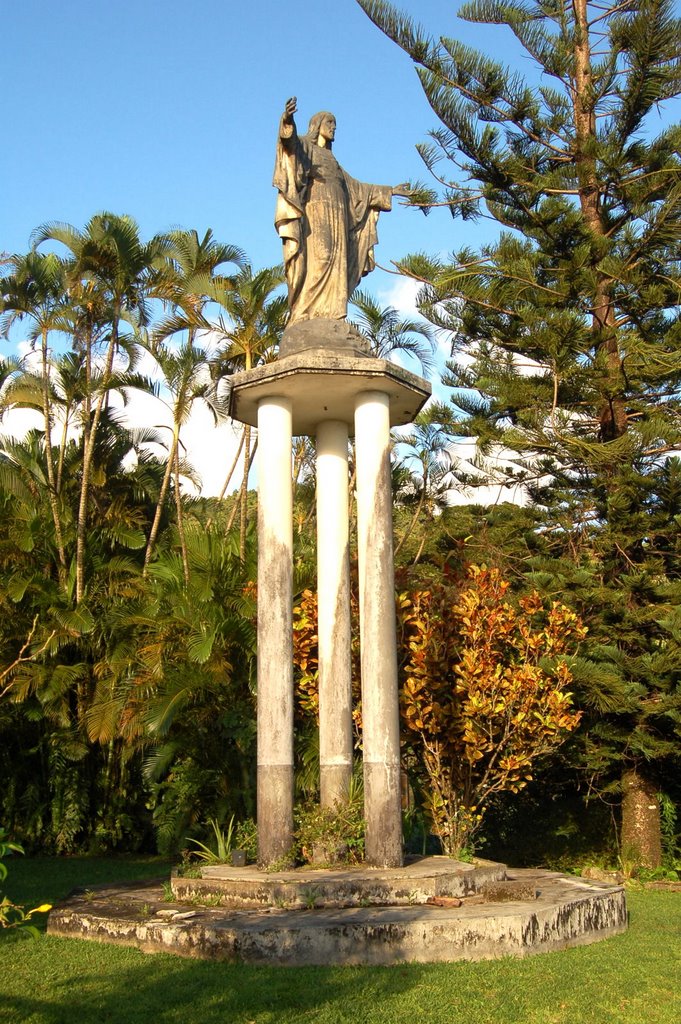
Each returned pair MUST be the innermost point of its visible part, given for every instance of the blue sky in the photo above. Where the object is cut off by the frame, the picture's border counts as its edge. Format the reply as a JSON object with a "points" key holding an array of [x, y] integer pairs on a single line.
{"points": [[168, 111]]}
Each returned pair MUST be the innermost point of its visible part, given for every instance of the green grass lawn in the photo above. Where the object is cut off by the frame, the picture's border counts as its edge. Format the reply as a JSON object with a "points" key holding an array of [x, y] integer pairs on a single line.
{"points": [[630, 979]]}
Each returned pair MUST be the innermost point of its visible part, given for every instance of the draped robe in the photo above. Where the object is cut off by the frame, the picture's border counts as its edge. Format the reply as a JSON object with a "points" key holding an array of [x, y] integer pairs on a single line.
{"points": [[327, 223]]}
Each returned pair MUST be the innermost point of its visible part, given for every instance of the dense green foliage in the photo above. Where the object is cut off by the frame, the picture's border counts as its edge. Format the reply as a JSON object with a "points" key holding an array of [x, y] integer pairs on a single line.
{"points": [[127, 643], [566, 350], [127, 637]]}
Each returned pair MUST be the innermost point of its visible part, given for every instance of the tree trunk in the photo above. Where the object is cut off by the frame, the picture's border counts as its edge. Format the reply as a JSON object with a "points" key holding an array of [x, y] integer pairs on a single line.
{"points": [[89, 439], [52, 484], [243, 498], [414, 518], [170, 467], [230, 472], [612, 415], [180, 517], [641, 837], [209, 521]]}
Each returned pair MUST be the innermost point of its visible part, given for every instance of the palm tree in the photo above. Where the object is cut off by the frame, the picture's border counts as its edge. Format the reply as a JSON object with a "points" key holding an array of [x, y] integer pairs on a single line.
{"points": [[184, 690], [194, 265], [195, 262], [187, 379], [35, 291], [388, 333], [110, 275], [249, 329], [425, 451], [192, 270]]}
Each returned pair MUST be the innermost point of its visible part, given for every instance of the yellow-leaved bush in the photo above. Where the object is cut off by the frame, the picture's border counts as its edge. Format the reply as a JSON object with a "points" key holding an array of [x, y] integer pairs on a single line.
{"points": [[485, 692]]}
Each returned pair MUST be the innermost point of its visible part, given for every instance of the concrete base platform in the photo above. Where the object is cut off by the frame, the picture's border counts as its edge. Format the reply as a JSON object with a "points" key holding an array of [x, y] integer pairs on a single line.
{"points": [[566, 912], [249, 887]]}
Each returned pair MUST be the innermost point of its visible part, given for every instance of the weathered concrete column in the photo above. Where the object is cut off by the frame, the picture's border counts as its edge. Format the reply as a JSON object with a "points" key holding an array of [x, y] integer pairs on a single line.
{"points": [[328, 383], [275, 630], [333, 599], [380, 709]]}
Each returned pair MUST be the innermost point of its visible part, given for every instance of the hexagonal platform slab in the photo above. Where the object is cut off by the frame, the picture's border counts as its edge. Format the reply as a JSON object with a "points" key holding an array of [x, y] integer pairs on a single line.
{"points": [[565, 911]]}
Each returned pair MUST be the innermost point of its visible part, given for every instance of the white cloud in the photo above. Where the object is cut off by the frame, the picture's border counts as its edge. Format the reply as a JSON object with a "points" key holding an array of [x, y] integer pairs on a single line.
{"points": [[401, 294], [209, 449]]}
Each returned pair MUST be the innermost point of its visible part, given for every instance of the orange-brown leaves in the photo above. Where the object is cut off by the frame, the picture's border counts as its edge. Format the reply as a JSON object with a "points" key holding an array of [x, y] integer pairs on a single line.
{"points": [[484, 689], [484, 692], [305, 655]]}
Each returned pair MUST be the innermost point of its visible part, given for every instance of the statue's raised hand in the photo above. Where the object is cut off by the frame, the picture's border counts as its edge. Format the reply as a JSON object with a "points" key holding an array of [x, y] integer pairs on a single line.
{"points": [[290, 109]]}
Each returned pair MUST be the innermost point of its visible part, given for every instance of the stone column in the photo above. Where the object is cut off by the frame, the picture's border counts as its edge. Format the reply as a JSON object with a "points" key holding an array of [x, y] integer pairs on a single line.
{"points": [[275, 631], [380, 709], [333, 597]]}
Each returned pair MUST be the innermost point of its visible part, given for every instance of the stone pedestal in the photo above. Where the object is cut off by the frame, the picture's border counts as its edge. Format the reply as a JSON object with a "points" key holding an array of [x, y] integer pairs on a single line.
{"points": [[328, 394]]}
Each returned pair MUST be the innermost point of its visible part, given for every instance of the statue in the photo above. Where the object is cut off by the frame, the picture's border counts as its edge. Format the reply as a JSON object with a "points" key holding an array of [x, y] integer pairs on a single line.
{"points": [[325, 218]]}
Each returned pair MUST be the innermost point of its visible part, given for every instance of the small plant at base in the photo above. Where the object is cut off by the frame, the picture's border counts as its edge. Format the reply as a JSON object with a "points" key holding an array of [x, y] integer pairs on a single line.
{"points": [[14, 919], [284, 863], [310, 897], [628, 862], [190, 871], [188, 868], [206, 900], [168, 894], [246, 839], [224, 844], [332, 835]]}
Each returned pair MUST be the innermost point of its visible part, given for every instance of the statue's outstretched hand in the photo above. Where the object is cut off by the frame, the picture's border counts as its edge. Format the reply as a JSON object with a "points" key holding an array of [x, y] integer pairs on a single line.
{"points": [[290, 109], [402, 190]]}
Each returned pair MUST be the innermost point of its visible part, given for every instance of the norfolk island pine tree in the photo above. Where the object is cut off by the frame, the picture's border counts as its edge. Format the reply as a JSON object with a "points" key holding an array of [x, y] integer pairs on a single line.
{"points": [[570, 325]]}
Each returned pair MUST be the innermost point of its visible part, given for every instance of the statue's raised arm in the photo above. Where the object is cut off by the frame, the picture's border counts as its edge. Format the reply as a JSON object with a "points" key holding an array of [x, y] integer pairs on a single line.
{"points": [[325, 218], [287, 126]]}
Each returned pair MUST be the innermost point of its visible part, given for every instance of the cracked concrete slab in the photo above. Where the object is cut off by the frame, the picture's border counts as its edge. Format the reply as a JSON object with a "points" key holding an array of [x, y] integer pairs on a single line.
{"points": [[566, 912]]}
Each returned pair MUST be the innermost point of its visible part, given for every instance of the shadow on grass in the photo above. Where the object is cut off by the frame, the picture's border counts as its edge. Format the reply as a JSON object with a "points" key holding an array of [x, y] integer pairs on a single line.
{"points": [[35, 880], [630, 979], [164, 988]]}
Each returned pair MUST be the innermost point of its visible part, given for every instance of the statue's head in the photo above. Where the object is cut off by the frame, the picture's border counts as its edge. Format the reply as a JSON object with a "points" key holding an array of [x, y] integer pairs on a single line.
{"points": [[322, 124]]}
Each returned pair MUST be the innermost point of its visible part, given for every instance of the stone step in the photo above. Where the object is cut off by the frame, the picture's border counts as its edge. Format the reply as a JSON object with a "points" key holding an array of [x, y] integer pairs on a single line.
{"points": [[340, 887], [566, 912]]}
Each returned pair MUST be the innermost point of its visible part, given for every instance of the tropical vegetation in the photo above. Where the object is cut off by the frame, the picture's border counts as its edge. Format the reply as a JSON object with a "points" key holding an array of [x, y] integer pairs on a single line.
{"points": [[566, 342], [540, 639], [128, 625]]}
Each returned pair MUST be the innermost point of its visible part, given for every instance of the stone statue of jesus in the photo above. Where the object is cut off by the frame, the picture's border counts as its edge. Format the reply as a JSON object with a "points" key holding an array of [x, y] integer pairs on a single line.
{"points": [[325, 218]]}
